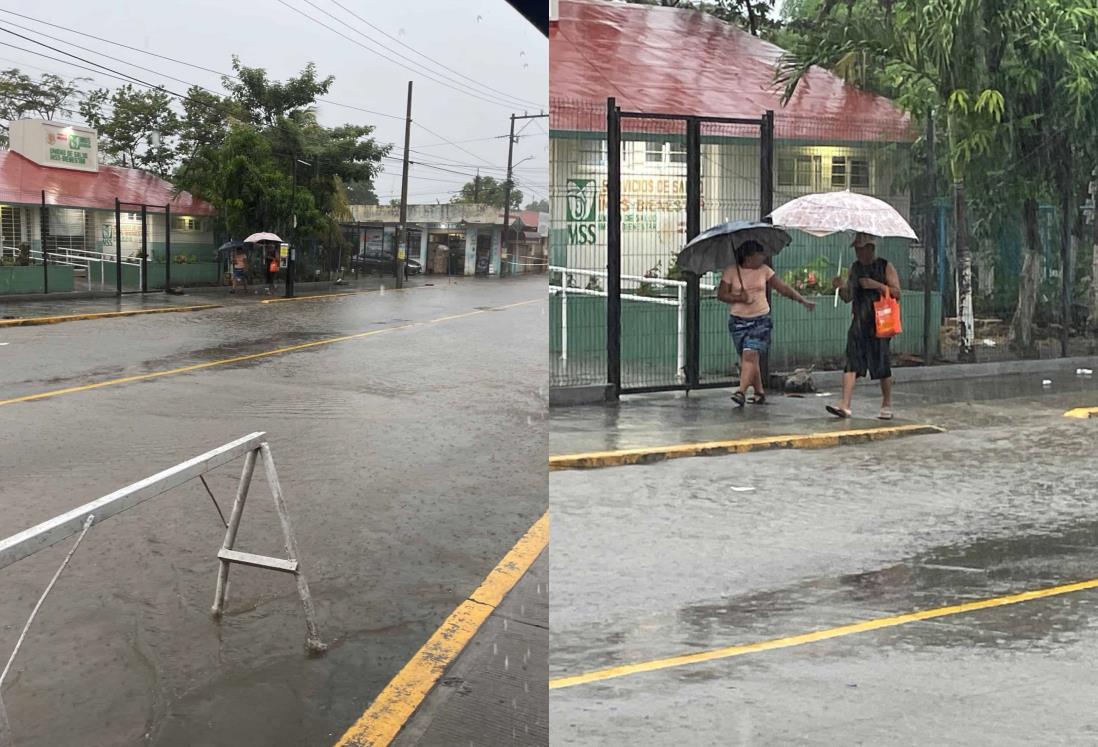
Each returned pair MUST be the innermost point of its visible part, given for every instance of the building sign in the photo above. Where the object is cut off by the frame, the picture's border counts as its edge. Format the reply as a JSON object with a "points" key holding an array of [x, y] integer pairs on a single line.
{"points": [[67, 146], [56, 145], [647, 205], [582, 199]]}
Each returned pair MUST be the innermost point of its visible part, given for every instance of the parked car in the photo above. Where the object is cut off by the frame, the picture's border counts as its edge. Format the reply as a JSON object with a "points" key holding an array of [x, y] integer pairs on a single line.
{"points": [[384, 263]]}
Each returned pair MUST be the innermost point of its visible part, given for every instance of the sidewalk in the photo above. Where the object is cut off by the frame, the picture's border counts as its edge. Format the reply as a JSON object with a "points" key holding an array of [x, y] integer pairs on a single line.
{"points": [[497, 692], [13, 307], [657, 420]]}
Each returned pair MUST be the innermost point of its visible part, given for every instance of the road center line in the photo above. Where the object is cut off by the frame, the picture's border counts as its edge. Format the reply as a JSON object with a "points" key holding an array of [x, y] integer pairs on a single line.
{"points": [[255, 356], [728, 652], [390, 711]]}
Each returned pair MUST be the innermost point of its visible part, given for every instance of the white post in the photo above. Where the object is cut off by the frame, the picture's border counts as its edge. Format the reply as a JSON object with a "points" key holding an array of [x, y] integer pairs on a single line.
{"points": [[681, 358], [564, 316]]}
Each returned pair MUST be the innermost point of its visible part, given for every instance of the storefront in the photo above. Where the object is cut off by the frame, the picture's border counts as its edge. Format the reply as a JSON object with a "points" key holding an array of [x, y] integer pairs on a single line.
{"points": [[56, 196]]}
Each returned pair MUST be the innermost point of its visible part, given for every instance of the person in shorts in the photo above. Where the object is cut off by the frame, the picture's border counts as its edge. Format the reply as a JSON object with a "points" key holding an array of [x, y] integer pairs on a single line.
{"points": [[240, 269], [866, 353], [743, 287]]}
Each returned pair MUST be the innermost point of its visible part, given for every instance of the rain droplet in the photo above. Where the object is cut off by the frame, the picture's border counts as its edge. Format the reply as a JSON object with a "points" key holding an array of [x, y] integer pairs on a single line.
{"points": [[522, 53], [400, 32], [495, 649], [506, 662], [480, 18], [526, 66]]}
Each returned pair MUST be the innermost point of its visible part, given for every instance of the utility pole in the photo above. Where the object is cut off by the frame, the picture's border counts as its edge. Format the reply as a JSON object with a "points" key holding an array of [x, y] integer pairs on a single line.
{"points": [[402, 231], [505, 237], [505, 243], [476, 188]]}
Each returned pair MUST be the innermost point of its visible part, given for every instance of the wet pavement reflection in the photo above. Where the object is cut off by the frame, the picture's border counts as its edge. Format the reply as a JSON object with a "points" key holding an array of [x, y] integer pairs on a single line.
{"points": [[401, 499]]}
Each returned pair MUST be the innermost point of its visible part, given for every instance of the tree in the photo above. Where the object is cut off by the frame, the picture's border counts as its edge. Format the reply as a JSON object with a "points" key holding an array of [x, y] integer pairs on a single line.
{"points": [[755, 16], [140, 129], [486, 190], [48, 97], [932, 55], [245, 151], [264, 101], [361, 193], [538, 206]]}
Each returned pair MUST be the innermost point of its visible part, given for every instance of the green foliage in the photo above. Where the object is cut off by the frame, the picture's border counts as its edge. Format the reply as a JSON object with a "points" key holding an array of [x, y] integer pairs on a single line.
{"points": [[46, 98], [486, 190], [140, 130], [813, 278], [539, 206]]}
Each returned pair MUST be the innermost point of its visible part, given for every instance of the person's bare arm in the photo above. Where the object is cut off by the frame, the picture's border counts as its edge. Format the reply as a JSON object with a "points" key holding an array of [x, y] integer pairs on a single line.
{"points": [[783, 288], [891, 284], [729, 296], [846, 288]]}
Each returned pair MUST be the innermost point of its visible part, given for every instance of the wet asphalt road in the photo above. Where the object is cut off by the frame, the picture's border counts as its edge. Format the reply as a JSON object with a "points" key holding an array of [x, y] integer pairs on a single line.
{"points": [[655, 561], [411, 461]]}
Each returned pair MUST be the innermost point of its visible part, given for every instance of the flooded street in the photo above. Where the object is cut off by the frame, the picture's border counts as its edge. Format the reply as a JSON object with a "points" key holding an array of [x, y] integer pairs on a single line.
{"points": [[412, 458], [716, 554]]}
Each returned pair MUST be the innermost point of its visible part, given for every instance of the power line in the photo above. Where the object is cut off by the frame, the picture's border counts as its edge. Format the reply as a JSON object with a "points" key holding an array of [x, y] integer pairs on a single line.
{"points": [[426, 57], [337, 32], [179, 62]]}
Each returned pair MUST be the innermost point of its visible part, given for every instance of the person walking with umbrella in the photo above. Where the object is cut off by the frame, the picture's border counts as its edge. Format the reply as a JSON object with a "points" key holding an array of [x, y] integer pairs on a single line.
{"points": [[869, 277], [743, 287]]}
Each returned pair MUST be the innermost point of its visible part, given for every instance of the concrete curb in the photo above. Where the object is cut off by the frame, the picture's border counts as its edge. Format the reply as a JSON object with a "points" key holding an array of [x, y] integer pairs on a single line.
{"points": [[650, 455], [31, 321], [918, 374]]}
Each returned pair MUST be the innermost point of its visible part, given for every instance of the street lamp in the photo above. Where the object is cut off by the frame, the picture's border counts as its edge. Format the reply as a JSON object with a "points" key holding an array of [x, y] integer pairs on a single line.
{"points": [[293, 230]]}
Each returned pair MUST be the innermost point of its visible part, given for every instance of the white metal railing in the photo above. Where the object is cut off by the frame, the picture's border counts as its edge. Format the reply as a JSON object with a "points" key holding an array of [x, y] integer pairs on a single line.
{"points": [[679, 302], [78, 258]]}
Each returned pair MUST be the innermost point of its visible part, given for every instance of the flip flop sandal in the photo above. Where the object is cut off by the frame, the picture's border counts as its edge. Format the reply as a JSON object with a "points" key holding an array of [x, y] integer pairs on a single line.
{"points": [[838, 412], [885, 414], [758, 399], [738, 398]]}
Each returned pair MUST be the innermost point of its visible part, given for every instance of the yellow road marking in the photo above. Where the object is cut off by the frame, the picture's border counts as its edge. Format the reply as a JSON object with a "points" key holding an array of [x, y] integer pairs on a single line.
{"points": [[1082, 412], [319, 295], [30, 321], [250, 357], [391, 710], [648, 455], [819, 635]]}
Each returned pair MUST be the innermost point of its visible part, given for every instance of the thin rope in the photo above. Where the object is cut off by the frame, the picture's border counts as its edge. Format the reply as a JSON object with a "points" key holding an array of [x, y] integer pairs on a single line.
{"points": [[64, 564], [210, 493]]}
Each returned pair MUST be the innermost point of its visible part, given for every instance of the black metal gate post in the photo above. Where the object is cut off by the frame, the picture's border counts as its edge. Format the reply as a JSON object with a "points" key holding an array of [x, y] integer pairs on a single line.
{"points": [[144, 250], [766, 207], [167, 248], [693, 228], [930, 236], [118, 244], [44, 219], [613, 248]]}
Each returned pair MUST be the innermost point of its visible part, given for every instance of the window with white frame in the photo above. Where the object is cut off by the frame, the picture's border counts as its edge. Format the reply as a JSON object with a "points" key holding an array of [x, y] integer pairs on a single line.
{"points": [[848, 172], [592, 152], [799, 171], [664, 152]]}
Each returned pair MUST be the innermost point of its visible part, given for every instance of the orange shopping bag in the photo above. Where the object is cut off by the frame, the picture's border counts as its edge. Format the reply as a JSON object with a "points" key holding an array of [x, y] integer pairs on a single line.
{"points": [[886, 311]]}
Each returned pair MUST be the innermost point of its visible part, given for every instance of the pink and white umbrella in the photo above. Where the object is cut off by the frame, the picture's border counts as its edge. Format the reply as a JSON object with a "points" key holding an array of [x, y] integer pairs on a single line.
{"points": [[834, 212], [255, 238]]}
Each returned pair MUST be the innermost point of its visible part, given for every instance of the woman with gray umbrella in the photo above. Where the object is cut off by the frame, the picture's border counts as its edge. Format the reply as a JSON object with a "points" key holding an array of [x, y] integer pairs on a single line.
{"points": [[743, 287]]}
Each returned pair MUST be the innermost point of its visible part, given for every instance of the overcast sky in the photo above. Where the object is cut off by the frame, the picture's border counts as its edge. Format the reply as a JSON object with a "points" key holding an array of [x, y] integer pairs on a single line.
{"points": [[474, 46]]}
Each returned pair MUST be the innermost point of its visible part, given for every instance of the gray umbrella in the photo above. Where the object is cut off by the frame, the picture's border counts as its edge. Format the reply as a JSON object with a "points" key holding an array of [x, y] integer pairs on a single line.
{"points": [[715, 248]]}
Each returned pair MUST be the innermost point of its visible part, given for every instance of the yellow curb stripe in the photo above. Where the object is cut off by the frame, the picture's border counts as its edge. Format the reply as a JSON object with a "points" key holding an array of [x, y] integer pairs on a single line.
{"points": [[390, 711], [252, 356], [648, 455], [1082, 412], [30, 321], [319, 295], [819, 635]]}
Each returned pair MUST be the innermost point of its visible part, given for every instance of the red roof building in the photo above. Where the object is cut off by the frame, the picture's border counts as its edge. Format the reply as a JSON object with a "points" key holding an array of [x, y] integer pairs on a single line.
{"points": [[22, 182], [684, 61]]}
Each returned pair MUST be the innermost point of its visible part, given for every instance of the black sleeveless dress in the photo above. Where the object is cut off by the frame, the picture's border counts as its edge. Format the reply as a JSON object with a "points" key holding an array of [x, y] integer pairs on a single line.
{"points": [[865, 352]]}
